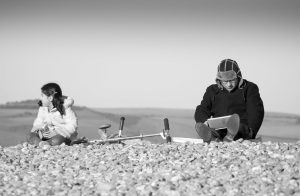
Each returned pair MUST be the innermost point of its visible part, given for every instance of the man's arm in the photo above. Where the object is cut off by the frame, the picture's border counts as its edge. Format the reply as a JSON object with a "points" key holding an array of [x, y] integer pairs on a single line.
{"points": [[203, 111], [255, 109]]}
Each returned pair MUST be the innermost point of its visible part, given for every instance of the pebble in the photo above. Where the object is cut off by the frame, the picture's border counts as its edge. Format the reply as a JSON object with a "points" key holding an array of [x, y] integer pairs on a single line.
{"points": [[141, 168]]}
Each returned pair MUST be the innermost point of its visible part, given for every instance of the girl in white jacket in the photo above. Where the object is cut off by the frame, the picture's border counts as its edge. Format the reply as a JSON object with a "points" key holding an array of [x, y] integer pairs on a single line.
{"points": [[56, 123]]}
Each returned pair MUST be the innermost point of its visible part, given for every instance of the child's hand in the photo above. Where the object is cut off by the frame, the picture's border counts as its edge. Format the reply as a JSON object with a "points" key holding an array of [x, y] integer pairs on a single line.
{"points": [[38, 131], [48, 133]]}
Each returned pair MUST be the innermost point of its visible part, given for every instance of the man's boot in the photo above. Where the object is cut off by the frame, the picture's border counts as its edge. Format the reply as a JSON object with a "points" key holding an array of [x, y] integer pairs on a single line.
{"points": [[204, 132]]}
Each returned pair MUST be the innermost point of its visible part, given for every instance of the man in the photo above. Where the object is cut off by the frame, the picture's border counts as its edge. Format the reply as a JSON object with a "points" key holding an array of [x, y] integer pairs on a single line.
{"points": [[231, 95]]}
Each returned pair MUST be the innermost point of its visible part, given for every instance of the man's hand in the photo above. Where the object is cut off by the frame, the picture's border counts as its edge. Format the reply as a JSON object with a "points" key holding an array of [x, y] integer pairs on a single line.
{"points": [[206, 123]]}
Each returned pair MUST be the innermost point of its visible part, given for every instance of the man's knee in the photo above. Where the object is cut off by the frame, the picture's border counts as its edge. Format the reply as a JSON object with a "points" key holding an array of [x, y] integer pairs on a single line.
{"points": [[205, 133], [199, 128], [244, 132]]}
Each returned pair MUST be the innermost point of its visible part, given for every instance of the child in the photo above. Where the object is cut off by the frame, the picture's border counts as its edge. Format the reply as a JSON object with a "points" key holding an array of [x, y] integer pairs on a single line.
{"points": [[56, 123]]}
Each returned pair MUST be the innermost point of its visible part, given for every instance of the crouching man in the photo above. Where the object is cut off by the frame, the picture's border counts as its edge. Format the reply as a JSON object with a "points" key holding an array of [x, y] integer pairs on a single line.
{"points": [[234, 97]]}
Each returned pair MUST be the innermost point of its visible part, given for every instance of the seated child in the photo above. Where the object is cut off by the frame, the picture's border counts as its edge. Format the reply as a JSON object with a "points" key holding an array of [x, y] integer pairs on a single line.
{"points": [[56, 123]]}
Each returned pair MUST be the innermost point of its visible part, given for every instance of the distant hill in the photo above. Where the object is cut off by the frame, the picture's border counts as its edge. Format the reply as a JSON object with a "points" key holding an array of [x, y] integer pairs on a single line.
{"points": [[27, 104], [286, 117]]}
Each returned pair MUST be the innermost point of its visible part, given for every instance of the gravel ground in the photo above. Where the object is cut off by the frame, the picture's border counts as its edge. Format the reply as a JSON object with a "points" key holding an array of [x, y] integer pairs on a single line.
{"points": [[142, 168]]}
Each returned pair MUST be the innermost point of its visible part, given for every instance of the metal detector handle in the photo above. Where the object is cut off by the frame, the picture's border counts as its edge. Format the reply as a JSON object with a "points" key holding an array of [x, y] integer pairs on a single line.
{"points": [[122, 119], [167, 128], [166, 123]]}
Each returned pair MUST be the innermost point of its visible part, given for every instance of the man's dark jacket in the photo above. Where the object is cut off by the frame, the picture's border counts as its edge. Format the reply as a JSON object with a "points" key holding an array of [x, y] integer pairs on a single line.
{"points": [[244, 100]]}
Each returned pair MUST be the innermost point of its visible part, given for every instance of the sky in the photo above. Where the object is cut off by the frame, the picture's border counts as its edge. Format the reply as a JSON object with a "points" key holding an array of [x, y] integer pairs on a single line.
{"points": [[148, 53]]}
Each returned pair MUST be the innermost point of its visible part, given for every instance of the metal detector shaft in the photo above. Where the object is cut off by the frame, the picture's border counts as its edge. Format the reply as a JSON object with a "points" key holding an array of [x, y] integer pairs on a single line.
{"points": [[126, 138]]}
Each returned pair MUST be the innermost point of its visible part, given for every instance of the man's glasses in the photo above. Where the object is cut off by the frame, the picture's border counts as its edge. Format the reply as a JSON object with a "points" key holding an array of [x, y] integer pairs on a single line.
{"points": [[229, 81]]}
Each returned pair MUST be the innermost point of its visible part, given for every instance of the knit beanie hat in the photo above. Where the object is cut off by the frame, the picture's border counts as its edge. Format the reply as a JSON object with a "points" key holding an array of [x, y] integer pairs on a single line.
{"points": [[228, 70]]}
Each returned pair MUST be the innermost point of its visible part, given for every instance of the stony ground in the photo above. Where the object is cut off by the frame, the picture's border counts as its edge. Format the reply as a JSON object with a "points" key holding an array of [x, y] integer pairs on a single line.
{"points": [[237, 168]]}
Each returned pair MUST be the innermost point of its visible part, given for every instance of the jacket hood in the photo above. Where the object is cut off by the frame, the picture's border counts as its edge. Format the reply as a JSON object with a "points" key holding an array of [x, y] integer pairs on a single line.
{"points": [[68, 102], [228, 69]]}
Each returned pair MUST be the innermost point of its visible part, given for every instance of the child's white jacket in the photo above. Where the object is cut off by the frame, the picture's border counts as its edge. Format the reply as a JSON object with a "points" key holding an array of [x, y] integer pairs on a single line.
{"points": [[65, 125]]}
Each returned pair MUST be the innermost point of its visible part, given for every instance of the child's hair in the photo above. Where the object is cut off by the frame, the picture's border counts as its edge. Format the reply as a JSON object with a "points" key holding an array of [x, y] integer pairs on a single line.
{"points": [[54, 90]]}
